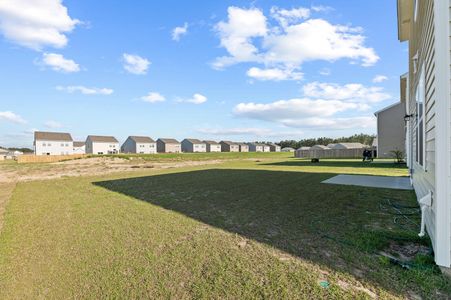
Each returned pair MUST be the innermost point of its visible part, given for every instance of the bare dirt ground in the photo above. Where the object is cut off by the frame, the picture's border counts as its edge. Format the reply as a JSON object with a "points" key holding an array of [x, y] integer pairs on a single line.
{"points": [[10, 172]]}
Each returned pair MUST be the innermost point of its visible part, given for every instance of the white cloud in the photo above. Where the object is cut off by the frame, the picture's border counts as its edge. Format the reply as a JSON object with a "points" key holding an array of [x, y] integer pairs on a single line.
{"points": [[53, 124], [196, 99], [36, 23], [11, 117], [236, 35], [178, 32], [333, 123], [248, 36], [135, 64], [352, 92], [379, 78], [153, 97], [289, 16], [249, 131], [57, 62], [85, 90], [325, 72], [274, 74]]}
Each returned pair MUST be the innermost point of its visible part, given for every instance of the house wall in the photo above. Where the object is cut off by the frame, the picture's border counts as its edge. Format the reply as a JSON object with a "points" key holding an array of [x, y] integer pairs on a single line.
{"points": [[244, 148], [129, 146], [187, 146], [429, 42], [391, 131], [168, 148], [213, 148], [101, 148], [229, 148], [53, 147], [266, 149], [146, 148], [255, 148], [80, 150]]}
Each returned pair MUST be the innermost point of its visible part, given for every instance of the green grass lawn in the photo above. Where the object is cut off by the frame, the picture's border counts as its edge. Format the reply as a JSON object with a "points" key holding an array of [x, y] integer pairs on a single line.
{"points": [[241, 229]]}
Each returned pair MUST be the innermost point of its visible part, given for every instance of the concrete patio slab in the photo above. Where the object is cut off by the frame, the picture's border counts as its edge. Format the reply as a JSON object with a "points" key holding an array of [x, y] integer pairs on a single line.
{"points": [[399, 183]]}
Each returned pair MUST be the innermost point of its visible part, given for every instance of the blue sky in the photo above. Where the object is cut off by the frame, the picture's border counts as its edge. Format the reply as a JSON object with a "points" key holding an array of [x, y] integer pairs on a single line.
{"points": [[239, 70]]}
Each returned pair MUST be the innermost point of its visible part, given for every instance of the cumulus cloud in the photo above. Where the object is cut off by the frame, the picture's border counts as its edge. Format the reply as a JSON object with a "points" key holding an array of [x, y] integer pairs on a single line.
{"points": [[195, 99], [379, 78], [9, 116], [178, 32], [135, 64], [85, 90], [153, 97], [274, 74], [53, 124], [352, 92], [58, 63], [249, 36], [36, 23]]}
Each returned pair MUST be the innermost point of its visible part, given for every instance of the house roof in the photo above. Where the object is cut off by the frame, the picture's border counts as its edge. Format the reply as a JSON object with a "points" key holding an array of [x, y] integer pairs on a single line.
{"points": [[352, 145], [229, 143], [195, 141], [274, 145], [387, 108], [52, 136], [211, 142], [320, 147], [79, 144], [169, 141], [258, 144], [102, 139], [141, 139], [304, 148], [405, 10], [242, 144]]}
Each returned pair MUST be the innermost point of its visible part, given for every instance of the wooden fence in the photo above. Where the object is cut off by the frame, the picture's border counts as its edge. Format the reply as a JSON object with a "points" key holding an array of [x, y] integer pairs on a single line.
{"points": [[330, 153], [46, 158]]}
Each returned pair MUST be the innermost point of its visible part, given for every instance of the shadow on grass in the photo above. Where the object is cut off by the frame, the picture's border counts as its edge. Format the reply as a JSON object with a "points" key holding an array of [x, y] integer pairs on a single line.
{"points": [[332, 225], [338, 164]]}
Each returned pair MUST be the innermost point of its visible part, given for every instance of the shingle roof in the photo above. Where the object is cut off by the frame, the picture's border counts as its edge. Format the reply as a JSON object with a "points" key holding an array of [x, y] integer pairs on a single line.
{"points": [[352, 145], [195, 141], [169, 141], [79, 144], [102, 139], [320, 147], [211, 142], [229, 143], [52, 136], [141, 139], [242, 144]]}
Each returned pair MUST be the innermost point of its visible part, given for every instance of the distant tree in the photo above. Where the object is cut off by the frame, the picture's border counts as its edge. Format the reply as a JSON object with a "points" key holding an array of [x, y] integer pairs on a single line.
{"points": [[24, 150]]}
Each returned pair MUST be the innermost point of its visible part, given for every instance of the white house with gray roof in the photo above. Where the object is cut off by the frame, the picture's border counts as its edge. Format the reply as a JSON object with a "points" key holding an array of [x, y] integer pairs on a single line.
{"points": [[213, 146], [53, 143], [193, 145], [139, 144], [166, 145], [228, 146], [79, 147], [99, 144]]}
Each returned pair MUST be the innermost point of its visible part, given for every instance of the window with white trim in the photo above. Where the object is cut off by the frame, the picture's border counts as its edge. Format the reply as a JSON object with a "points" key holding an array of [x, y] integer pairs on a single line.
{"points": [[419, 124]]}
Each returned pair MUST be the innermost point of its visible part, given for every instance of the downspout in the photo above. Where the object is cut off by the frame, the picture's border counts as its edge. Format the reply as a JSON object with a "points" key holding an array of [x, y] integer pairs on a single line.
{"points": [[425, 204]]}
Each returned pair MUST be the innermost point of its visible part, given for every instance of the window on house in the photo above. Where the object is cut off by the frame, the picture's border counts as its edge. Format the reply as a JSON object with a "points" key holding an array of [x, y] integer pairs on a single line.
{"points": [[419, 124]]}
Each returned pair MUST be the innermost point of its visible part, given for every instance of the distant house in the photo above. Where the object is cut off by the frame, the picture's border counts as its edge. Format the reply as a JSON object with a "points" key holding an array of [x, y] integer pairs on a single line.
{"points": [[79, 147], [319, 147], [165, 145], [53, 143], [288, 149], [256, 147], [228, 146], [347, 146], [213, 146], [99, 144], [139, 144], [193, 145], [3, 153], [274, 147], [243, 147], [391, 130]]}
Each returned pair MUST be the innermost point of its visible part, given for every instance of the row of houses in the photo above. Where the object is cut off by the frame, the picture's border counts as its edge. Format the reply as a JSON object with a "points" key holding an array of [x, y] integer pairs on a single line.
{"points": [[338, 146], [60, 143], [9, 154]]}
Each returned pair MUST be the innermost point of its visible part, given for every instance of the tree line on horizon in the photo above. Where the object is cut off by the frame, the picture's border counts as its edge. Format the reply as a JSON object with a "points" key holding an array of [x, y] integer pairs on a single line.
{"points": [[366, 139]]}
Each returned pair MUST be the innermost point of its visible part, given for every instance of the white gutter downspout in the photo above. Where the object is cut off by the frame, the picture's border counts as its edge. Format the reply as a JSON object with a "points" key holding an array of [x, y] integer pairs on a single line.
{"points": [[425, 204]]}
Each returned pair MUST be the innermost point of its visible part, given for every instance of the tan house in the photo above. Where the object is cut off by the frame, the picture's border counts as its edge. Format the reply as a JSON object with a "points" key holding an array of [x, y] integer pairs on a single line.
{"points": [[228, 146], [391, 130], [193, 145], [168, 146], [213, 146], [243, 147], [427, 93]]}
